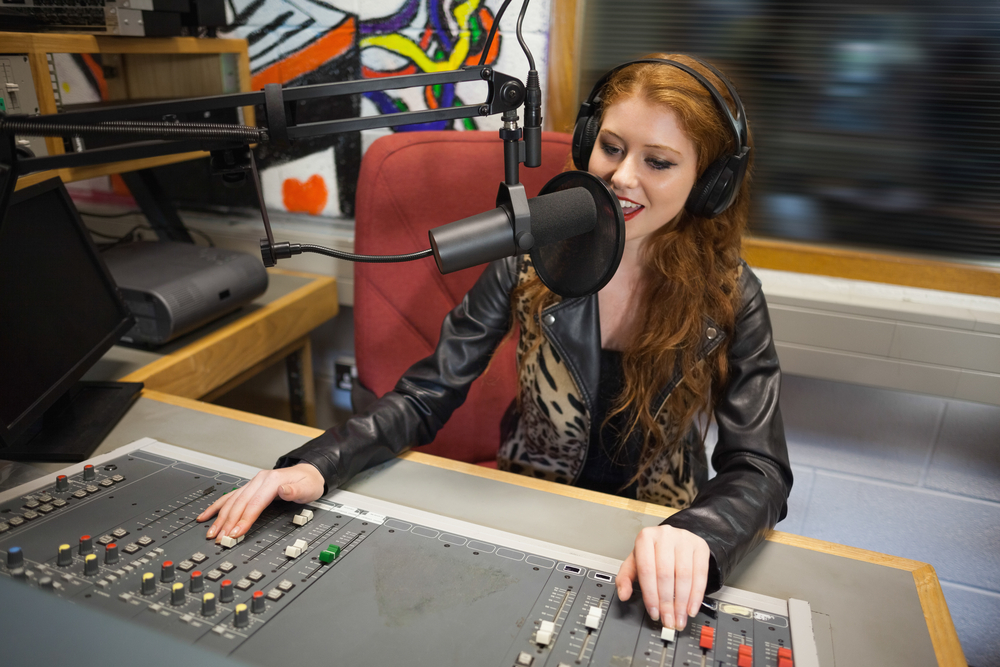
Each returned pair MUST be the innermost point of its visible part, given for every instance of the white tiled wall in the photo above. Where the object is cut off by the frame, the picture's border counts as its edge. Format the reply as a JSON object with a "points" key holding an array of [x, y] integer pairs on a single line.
{"points": [[908, 475]]}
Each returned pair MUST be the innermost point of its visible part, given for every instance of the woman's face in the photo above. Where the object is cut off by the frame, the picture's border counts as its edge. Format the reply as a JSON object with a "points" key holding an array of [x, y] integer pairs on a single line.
{"points": [[649, 162]]}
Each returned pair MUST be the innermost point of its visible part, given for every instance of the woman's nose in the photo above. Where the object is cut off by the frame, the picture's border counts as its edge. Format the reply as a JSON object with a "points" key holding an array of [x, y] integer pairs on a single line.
{"points": [[625, 176]]}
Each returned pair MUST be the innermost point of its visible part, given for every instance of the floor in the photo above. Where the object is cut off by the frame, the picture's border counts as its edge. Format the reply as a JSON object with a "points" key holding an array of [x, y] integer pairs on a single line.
{"points": [[905, 474]]}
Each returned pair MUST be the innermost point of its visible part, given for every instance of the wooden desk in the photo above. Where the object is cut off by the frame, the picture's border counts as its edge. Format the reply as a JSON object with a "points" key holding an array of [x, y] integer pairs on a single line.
{"points": [[212, 360], [868, 608]]}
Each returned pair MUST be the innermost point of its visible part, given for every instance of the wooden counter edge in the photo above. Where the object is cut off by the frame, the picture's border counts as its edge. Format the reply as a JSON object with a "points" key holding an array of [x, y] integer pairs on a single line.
{"points": [[944, 638], [160, 374]]}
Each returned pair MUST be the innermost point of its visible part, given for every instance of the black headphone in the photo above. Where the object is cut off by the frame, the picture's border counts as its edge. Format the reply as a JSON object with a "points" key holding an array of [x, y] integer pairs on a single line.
{"points": [[716, 189]]}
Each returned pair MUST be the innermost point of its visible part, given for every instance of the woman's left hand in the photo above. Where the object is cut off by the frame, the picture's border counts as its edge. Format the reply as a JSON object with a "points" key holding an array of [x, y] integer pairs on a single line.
{"points": [[671, 566]]}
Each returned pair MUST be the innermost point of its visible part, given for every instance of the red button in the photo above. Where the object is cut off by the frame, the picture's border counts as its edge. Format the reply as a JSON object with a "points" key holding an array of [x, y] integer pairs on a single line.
{"points": [[707, 637]]}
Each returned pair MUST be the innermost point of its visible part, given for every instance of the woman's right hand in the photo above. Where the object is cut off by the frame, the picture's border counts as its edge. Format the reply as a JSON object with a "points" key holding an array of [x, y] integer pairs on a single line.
{"points": [[238, 509]]}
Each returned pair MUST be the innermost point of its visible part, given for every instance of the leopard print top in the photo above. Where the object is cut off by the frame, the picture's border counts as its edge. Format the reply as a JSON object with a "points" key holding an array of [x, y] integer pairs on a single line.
{"points": [[549, 437]]}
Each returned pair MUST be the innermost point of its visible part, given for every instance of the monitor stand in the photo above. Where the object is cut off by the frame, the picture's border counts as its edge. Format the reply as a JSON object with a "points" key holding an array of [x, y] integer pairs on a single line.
{"points": [[76, 424]]}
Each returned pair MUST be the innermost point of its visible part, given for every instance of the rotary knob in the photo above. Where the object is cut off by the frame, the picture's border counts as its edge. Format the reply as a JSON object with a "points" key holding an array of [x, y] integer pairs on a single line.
{"points": [[177, 594], [65, 556], [86, 544], [15, 558], [257, 602], [90, 565], [241, 619], [148, 583], [167, 571], [197, 584], [88, 473], [62, 483], [208, 604], [111, 554], [226, 591]]}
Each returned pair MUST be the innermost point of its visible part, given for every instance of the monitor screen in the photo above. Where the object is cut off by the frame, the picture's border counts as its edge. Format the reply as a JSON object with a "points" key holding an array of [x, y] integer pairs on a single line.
{"points": [[60, 308]]}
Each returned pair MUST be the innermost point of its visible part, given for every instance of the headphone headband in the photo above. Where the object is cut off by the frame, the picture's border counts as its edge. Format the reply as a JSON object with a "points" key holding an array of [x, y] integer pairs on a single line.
{"points": [[717, 188]]}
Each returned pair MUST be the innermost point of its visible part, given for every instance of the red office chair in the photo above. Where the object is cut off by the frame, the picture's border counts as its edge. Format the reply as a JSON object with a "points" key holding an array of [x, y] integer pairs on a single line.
{"points": [[409, 183]]}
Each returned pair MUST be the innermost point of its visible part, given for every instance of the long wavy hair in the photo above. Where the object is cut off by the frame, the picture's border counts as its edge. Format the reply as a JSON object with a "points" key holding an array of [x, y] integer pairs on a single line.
{"points": [[691, 268]]}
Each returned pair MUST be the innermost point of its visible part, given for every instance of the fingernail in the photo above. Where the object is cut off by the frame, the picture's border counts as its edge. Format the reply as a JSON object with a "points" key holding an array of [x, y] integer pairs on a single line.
{"points": [[620, 595], [654, 614], [235, 531], [693, 611], [681, 621], [211, 532], [668, 621]]}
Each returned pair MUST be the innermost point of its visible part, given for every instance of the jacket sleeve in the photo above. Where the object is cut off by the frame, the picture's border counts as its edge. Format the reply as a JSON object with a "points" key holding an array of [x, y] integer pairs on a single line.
{"points": [[427, 394], [736, 509]]}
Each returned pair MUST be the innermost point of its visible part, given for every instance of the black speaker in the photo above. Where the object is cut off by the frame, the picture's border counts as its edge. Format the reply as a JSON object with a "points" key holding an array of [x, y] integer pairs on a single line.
{"points": [[716, 189]]}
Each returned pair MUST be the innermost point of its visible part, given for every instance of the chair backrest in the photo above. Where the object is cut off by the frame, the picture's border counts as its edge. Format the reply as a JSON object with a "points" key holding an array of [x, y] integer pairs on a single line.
{"points": [[409, 183]]}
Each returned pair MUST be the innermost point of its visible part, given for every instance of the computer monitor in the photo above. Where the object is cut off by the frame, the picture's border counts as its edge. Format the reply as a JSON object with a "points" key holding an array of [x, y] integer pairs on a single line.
{"points": [[60, 311]]}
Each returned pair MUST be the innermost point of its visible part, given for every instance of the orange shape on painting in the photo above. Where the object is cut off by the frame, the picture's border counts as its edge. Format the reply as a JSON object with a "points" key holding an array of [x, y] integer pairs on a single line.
{"points": [[308, 197]]}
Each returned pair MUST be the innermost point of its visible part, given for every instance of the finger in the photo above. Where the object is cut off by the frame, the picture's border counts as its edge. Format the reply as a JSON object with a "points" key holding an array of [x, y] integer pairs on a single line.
{"points": [[221, 517], [699, 580], [211, 510], [645, 565], [683, 557], [626, 575], [254, 506], [238, 505], [238, 499], [665, 583]]}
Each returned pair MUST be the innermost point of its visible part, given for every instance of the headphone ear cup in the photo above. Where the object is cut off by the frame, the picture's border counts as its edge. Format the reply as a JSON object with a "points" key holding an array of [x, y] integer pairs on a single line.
{"points": [[708, 193], [584, 137]]}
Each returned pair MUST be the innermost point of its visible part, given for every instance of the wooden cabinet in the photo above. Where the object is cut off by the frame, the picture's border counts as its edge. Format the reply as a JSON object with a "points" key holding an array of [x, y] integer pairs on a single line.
{"points": [[142, 69]]}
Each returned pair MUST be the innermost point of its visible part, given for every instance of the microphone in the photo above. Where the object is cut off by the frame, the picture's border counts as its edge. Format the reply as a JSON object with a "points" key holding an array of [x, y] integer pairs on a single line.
{"points": [[574, 231], [484, 237]]}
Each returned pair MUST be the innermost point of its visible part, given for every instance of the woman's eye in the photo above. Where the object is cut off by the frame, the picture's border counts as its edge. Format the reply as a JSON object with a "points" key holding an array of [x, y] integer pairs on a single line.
{"points": [[610, 149], [659, 164]]}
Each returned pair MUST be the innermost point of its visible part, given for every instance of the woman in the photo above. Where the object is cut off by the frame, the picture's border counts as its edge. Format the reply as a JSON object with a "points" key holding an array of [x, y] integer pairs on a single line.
{"points": [[611, 385]]}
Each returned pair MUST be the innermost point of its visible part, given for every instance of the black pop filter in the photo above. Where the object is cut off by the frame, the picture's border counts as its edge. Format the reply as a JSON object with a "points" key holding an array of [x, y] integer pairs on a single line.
{"points": [[583, 264]]}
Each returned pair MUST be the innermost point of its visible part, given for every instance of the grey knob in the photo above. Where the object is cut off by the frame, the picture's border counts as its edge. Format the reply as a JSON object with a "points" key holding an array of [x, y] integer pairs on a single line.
{"points": [[15, 558], [65, 556], [90, 565], [208, 604], [257, 602], [148, 583], [242, 617], [88, 473], [62, 483], [111, 554], [197, 584], [177, 594], [86, 544]]}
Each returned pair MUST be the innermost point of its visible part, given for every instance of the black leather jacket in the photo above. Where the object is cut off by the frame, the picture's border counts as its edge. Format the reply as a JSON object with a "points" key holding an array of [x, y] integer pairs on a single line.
{"points": [[733, 511]]}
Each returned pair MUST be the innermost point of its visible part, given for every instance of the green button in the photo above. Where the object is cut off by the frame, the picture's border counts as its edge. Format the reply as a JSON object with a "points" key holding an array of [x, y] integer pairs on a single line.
{"points": [[334, 549], [327, 556]]}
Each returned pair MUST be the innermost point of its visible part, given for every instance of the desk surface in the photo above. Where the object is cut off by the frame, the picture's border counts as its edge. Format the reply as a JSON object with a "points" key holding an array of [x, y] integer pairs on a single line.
{"points": [[195, 364], [868, 608]]}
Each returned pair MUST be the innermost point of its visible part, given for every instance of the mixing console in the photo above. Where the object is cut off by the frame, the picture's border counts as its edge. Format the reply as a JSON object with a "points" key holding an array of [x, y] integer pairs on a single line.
{"points": [[352, 580]]}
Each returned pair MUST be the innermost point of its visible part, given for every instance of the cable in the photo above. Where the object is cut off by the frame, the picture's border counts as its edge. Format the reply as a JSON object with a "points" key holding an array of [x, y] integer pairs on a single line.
{"points": [[520, 39], [129, 236], [110, 215], [493, 31], [351, 257]]}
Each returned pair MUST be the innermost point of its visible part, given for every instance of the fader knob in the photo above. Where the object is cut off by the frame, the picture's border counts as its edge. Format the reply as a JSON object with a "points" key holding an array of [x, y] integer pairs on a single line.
{"points": [[15, 558], [257, 602], [167, 571], [197, 584], [90, 565], [111, 554], [46, 583], [242, 616], [148, 583], [208, 604], [226, 591], [88, 473], [86, 544], [65, 556], [62, 483], [177, 594]]}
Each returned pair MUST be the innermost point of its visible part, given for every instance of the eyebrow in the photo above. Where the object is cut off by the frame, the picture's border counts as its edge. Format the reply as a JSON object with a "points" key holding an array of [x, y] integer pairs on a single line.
{"points": [[660, 146]]}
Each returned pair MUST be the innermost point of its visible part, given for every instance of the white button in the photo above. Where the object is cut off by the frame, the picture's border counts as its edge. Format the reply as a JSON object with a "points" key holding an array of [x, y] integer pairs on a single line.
{"points": [[228, 542], [292, 551], [301, 544], [549, 319], [525, 659], [668, 634], [711, 332], [299, 520], [543, 638], [308, 514]]}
